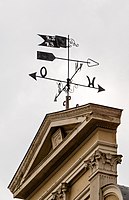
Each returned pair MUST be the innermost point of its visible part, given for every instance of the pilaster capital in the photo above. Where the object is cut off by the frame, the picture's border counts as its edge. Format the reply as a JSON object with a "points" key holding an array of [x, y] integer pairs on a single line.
{"points": [[60, 194], [103, 161]]}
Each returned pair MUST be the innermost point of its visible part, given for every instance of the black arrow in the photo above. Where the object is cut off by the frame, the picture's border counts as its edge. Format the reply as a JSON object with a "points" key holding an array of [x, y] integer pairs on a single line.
{"points": [[50, 57], [34, 76]]}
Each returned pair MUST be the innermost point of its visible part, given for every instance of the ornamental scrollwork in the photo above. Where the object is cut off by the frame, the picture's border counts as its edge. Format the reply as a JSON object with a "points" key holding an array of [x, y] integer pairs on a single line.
{"points": [[103, 161], [60, 194]]}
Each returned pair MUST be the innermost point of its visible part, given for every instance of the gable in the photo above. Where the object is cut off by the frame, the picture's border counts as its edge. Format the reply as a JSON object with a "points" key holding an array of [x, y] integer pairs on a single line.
{"points": [[71, 127]]}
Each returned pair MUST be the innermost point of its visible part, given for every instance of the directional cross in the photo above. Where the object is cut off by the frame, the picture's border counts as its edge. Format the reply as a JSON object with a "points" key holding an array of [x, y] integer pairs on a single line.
{"points": [[64, 85], [43, 74]]}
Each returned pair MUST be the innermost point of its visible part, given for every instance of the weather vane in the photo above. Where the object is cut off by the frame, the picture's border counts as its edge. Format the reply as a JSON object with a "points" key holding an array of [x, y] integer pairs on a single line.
{"points": [[57, 42]]}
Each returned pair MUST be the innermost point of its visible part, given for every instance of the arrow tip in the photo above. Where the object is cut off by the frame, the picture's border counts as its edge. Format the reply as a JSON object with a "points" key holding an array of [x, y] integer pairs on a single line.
{"points": [[100, 89], [92, 63], [33, 75]]}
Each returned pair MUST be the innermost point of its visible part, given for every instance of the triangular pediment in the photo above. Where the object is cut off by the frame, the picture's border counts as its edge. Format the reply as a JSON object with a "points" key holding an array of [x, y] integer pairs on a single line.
{"points": [[58, 136], [54, 138]]}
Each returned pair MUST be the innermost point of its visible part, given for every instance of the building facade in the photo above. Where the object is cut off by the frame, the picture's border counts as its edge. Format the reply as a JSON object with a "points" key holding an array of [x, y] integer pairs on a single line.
{"points": [[72, 157]]}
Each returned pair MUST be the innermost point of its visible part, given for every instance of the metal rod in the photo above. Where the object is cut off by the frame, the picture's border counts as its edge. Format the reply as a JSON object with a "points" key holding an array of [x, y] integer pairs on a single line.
{"points": [[76, 72], [68, 82], [52, 79], [72, 83], [72, 60], [68, 56]]}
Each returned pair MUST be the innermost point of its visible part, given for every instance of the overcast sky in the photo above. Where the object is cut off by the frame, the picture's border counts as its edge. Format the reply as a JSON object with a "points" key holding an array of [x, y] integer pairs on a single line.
{"points": [[101, 28]]}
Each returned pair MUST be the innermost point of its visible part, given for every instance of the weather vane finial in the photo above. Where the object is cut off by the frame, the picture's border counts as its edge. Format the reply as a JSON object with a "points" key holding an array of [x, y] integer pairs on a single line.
{"points": [[57, 42]]}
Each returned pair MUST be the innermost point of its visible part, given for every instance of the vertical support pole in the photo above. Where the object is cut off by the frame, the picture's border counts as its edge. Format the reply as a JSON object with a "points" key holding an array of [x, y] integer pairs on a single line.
{"points": [[68, 81]]}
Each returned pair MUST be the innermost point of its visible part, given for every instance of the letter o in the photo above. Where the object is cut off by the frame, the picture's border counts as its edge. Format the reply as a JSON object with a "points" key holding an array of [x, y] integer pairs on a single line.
{"points": [[45, 72]]}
